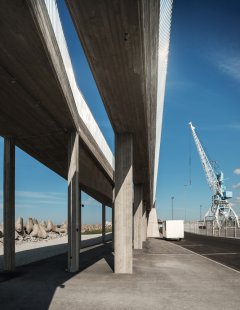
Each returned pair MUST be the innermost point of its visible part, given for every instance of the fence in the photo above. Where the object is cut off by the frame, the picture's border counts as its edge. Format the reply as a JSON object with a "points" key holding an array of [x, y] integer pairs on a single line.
{"points": [[228, 230]]}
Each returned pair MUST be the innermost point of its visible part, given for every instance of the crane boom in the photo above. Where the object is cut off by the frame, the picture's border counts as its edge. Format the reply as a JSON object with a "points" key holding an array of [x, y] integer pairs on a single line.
{"points": [[207, 167]]}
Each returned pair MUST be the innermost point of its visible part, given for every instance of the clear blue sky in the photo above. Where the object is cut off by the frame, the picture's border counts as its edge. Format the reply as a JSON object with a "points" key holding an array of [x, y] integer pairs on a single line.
{"points": [[202, 86]]}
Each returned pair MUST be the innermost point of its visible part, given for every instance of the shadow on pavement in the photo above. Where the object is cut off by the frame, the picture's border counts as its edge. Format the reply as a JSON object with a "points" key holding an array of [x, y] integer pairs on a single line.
{"points": [[33, 255], [33, 286]]}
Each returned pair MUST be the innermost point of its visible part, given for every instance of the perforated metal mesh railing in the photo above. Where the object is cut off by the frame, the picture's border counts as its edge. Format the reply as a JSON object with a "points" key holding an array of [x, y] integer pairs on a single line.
{"points": [[163, 49], [82, 107], [199, 227]]}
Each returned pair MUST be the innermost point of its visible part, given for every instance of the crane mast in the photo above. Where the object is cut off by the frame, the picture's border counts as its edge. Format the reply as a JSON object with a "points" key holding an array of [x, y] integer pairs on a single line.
{"points": [[220, 211]]}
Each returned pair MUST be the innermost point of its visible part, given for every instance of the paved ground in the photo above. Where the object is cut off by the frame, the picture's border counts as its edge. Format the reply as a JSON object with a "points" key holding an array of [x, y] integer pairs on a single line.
{"points": [[166, 276], [28, 252], [222, 250]]}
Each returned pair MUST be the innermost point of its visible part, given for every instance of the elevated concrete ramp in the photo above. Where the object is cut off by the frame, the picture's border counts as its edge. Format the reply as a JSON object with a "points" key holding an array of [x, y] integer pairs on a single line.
{"points": [[37, 106]]}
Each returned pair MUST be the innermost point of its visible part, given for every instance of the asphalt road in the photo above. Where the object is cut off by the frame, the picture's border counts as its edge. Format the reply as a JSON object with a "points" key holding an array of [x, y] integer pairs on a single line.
{"points": [[222, 250]]}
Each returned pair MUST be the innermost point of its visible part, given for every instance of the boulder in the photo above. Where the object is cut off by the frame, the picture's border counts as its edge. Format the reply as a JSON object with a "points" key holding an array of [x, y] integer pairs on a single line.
{"points": [[49, 226], [1, 231], [29, 225], [35, 230], [17, 236], [35, 221], [42, 232], [55, 229], [43, 224], [19, 225]]}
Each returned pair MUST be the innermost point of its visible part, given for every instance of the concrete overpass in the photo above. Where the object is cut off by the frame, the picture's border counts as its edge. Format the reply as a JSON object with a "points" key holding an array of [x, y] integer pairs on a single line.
{"points": [[126, 44], [43, 112]]}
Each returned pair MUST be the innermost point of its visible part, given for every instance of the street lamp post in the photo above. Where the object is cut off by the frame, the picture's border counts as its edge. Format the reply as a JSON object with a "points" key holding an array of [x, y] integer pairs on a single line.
{"points": [[185, 202], [172, 205], [200, 212]]}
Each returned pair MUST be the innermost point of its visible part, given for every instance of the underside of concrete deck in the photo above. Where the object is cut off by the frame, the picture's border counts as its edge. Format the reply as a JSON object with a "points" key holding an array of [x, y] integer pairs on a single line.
{"points": [[166, 276], [120, 40]]}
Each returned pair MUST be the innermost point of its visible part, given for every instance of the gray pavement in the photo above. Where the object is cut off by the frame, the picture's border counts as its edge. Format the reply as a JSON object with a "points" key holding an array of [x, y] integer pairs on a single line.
{"points": [[30, 252], [222, 250], [166, 276]]}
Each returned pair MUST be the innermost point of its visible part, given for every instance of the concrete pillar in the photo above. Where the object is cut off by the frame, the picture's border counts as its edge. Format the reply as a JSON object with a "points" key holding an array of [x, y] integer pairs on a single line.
{"points": [[80, 217], [9, 204], [73, 203], [113, 227], [144, 223], [123, 204], [103, 222], [137, 216], [152, 228]]}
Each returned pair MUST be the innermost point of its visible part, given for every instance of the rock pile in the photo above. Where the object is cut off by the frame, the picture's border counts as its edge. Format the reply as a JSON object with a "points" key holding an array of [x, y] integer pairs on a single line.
{"points": [[34, 231], [91, 228]]}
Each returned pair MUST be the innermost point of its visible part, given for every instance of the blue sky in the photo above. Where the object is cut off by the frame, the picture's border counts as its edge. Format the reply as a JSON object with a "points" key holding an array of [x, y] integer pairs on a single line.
{"points": [[202, 86]]}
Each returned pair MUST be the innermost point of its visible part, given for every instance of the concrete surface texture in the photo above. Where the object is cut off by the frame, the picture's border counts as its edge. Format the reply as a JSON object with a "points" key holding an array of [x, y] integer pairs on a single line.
{"points": [[123, 205], [125, 71], [166, 276], [137, 217], [152, 228]]}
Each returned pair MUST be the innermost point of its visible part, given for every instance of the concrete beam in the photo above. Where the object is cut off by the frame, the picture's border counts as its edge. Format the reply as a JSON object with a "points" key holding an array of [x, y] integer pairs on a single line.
{"points": [[103, 222], [74, 228], [123, 204], [9, 204], [137, 216]]}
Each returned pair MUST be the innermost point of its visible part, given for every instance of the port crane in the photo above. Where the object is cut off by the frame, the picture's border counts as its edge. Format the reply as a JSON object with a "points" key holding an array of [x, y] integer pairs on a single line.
{"points": [[220, 211]]}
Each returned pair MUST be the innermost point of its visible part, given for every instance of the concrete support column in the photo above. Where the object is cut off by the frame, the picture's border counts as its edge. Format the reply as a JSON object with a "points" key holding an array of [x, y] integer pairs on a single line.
{"points": [[144, 223], [73, 203], [103, 222], [137, 216], [9, 204], [123, 204], [80, 217], [113, 227]]}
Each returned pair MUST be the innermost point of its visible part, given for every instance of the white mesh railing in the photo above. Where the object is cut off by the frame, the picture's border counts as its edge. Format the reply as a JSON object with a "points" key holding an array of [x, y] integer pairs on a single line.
{"points": [[163, 48], [82, 107]]}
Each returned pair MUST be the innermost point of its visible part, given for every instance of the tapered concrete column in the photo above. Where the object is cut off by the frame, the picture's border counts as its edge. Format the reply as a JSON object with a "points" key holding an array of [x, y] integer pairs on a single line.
{"points": [[73, 203], [113, 227], [80, 217], [137, 216], [9, 204], [123, 204], [144, 223], [152, 228], [103, 222]]}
